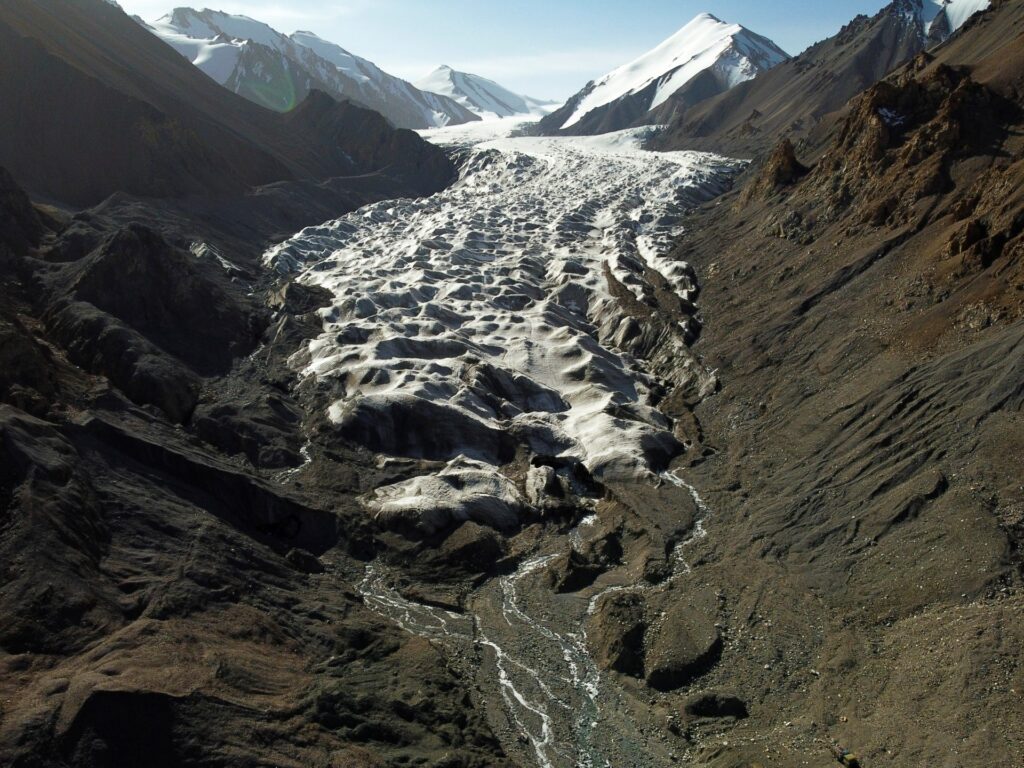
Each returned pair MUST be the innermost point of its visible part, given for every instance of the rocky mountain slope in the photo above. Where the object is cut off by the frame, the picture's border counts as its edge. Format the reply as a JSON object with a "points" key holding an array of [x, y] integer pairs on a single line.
{"points": [[704, 58], [278, 71], [141, 121], [480, 95], [793, 98], [865, 315], [164, 600]]}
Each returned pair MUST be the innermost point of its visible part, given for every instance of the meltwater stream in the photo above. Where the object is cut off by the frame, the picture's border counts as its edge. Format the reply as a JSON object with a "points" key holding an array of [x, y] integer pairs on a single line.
{"points": [[485, 323], [553, 692]]}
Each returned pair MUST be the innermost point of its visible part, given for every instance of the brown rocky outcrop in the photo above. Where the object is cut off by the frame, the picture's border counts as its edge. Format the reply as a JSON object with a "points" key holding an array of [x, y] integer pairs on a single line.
{"points": [[867, 329], [782, 169]]}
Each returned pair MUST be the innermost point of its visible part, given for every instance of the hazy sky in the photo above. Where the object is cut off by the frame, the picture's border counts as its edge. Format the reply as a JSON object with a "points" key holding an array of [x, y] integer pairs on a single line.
{"points": [[543, 48]]}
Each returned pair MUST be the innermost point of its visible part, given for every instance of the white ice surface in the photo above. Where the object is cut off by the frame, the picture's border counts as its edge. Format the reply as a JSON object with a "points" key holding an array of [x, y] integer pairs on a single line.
{"points": [[215, 55], [957, 11], [506, 271], [233, 26], [704, 43]]}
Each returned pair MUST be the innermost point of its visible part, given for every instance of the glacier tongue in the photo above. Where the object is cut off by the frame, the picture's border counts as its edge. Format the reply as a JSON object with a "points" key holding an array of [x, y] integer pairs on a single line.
{"points": [[706, 44], [479, 323]]}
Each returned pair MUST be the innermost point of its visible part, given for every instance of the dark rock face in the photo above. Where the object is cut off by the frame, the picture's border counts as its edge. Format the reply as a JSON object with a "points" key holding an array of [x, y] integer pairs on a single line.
{"points": [[263, 429], [158, 150], [716, 705], [160, 292], [102, 344], [372, 143], [298, 299], [582, 568], [781, 170], [26, 370], [54, 538], [417, 428], [903, 136], [667, 645], [149, 317], [473, 548], [20, 228], [508, 394]]}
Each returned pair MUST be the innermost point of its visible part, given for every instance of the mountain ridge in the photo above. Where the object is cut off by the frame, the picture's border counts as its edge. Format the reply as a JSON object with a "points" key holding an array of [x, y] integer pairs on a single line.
{"points": [[166, 130], [479, 94], [276, 70], [794, 97], [705, 57]]}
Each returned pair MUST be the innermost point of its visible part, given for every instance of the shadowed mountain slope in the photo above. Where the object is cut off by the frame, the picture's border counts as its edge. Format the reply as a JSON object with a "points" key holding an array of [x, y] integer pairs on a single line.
{"points": [[98, 105], [278, 71]]}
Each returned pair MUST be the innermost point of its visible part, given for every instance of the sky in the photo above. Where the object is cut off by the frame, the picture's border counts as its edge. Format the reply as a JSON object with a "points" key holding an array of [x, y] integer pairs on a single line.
{"points": [[547, 49]]}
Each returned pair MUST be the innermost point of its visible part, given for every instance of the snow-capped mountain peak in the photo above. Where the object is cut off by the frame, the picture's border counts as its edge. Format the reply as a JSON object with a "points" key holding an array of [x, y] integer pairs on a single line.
{"points": [[730, 52], [209, 24], [937, 20], [480, 95], [277, 70]]}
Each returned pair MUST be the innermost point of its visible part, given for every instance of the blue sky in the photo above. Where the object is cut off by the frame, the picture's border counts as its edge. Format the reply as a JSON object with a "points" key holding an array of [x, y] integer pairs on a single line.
{"points": [[543, 48]]}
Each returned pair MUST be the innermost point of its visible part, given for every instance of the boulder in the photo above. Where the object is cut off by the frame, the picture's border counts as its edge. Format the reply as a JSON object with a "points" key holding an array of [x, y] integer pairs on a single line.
{"points": [[295, 298], [684, 645], [583, 565], [473, 548]]}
